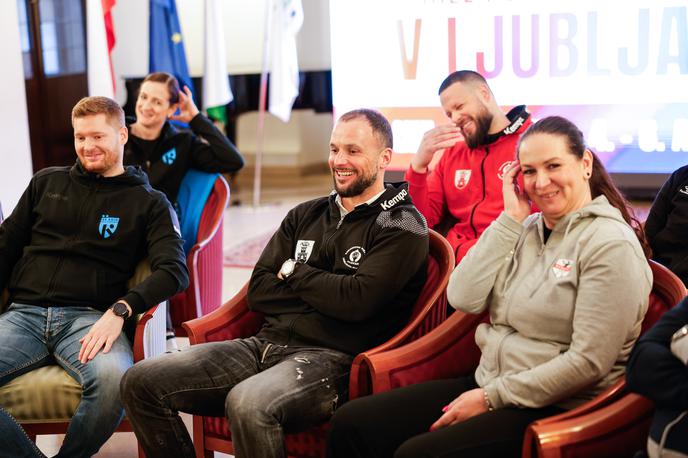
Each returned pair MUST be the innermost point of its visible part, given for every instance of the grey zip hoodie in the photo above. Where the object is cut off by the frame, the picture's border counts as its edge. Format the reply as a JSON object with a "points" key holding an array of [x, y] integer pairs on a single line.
{"points": [[564, 315]]}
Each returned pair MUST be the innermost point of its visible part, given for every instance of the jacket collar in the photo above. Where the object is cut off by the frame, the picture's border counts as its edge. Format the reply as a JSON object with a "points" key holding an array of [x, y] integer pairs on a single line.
{"points": [[518, 119], [132, 176], [394, 194]]}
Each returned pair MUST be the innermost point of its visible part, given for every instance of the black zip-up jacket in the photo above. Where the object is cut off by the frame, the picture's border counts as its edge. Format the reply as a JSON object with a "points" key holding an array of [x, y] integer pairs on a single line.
{"points": [[176, 151], [654, 372], [75, 238], [666, 224], [360, 278]]}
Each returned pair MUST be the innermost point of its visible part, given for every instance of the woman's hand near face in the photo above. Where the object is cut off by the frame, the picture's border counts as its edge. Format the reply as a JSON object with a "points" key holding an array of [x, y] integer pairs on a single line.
{"points": [[187, 107], [516, 203]]}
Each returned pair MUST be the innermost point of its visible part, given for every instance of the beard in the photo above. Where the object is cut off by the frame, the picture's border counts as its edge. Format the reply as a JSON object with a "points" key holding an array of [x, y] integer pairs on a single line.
{"points": [[482, 124], [356, 188]]}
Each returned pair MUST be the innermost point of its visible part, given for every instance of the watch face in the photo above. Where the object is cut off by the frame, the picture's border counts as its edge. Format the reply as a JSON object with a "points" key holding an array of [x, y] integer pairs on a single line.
{"points": [[120, 309], [287, 268]]}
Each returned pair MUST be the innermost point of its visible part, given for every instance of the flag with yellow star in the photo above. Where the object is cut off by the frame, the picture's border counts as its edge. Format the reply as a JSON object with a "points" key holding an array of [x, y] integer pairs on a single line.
{"points": [[167, 52]]}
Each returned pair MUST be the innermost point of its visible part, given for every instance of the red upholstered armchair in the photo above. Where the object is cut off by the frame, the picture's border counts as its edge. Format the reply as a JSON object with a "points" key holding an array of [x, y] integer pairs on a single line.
{"points": [[615, 423], [234, 320], [204, 260]]}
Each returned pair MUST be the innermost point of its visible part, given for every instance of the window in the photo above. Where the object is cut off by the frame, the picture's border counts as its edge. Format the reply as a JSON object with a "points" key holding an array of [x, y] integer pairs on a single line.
{"points": [[25, 37], [62, 37]]}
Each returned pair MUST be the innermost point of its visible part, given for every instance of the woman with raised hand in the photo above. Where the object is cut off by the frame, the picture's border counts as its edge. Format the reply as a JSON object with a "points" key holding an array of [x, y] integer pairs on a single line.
{"points": [[566, 288], [167, 153]]}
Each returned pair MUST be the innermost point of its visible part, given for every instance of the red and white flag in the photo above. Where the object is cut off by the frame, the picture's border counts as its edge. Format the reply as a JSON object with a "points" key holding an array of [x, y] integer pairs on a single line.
{"points": [[100, 41]]}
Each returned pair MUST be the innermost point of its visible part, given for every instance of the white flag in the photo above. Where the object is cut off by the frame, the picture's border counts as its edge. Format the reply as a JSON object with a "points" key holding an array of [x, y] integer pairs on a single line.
{"points": [[216, 91], [287, 18], [99, 67]]}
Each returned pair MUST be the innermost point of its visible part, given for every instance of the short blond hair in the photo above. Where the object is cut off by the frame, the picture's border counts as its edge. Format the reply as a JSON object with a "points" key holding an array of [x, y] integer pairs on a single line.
{"points": [[91, 106]]}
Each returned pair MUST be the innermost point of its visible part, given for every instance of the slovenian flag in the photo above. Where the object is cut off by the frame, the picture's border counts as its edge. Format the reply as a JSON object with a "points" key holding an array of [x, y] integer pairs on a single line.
{"points": [[216, 90]]}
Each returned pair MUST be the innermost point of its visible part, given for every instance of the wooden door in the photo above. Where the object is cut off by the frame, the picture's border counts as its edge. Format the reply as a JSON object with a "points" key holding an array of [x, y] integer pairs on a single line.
{"points": [[54, 49]]}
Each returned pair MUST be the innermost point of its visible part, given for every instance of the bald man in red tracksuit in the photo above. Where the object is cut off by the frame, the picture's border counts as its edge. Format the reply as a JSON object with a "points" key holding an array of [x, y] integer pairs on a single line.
{"points": [[465, 186]]}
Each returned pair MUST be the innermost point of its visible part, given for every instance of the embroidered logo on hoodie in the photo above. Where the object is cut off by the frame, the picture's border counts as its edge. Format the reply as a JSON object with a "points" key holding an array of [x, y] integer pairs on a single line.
{"points": [[169, 157], [502, 168], [461, 178], [562, 268], [352, 257], [108, 226]]}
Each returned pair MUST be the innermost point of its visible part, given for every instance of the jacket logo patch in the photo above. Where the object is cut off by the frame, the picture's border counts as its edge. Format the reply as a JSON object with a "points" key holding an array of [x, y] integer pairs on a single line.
{"points": [[303, 251], [352, 257], [461, 178], [684, 190], [108, 226], [562, 268], [169, 157], [502, 168]]}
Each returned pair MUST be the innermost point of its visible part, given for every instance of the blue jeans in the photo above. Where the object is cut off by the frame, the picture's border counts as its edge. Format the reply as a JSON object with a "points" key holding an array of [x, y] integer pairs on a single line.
{"points": [[31, 337], [262, 388]]}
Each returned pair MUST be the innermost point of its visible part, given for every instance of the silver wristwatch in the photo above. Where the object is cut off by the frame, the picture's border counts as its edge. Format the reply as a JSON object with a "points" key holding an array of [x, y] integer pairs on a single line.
{"points": [[288, 268]]}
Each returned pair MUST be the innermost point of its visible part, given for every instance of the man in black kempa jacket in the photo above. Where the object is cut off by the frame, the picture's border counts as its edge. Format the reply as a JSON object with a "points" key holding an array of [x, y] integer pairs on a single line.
{"points": [[338, 277], [66, 254]]}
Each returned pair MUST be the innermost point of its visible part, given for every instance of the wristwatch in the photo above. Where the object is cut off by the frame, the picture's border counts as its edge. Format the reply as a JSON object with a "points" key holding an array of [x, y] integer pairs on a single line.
{"points": [[288, 268], [120, 309]]}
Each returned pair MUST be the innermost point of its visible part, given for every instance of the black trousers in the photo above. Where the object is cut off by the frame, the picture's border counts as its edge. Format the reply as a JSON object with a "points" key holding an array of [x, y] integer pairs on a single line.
{"points": [[396, 424]]}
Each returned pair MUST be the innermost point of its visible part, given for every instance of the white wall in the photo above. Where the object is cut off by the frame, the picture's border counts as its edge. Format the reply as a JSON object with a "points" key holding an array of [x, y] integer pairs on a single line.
{"points": [[244, 27], [15, 157]]}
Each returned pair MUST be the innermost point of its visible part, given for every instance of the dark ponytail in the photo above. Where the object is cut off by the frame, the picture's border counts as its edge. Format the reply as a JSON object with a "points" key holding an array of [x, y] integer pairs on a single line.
{"points": [[600, 182]]}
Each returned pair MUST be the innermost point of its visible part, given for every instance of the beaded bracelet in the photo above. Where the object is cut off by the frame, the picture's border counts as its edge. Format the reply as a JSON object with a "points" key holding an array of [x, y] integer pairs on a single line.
{"points": [[488, 404]]}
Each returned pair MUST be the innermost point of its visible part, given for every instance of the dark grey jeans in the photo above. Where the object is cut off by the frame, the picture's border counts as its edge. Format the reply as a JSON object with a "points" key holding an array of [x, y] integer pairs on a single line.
{"points": [[263, 389]]}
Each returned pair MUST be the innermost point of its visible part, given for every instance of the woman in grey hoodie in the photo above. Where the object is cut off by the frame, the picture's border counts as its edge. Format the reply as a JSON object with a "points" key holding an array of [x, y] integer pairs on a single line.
{"points": [[566, 288]]}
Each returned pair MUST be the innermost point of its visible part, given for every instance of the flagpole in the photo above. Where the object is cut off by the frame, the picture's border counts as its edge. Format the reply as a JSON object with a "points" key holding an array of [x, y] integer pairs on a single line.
{"points": [[262, 103]]}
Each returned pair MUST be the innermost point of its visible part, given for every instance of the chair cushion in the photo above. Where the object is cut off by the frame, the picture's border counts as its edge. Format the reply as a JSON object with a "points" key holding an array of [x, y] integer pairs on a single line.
{"points": [[44, 395]]}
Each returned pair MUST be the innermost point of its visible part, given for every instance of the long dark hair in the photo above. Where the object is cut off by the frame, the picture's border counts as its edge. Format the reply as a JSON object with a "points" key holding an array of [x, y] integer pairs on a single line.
{"points": [[600, 182], [168, 80]]}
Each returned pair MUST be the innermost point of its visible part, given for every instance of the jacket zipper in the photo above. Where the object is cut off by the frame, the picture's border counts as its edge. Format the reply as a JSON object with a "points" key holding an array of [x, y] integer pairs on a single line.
{"points": [[499, 350], [327, 242], [482, 174]]}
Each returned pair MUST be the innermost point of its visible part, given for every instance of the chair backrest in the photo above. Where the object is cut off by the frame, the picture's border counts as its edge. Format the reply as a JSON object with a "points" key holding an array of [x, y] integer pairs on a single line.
{"points": [[667, 291], [194, 190], [433, 297], [214, 209]]}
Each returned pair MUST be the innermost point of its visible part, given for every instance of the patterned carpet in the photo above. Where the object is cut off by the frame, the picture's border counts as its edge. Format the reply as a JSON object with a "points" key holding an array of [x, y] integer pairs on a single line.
{"points": [[246, 254]]}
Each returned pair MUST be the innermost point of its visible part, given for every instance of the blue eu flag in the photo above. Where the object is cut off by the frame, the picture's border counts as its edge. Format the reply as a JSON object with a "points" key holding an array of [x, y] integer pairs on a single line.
{"points": [[166, 43]]}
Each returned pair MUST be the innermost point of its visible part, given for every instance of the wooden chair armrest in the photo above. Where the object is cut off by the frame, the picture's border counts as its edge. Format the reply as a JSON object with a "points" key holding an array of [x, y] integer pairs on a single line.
{"points": [[448, 351], [149, 338], [608, 396], [613, 427], [232, 313]]}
